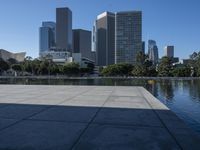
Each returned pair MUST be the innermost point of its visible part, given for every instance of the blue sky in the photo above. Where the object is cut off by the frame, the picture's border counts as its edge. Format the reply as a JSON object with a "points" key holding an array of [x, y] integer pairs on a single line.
{"points": [[169, 22]]}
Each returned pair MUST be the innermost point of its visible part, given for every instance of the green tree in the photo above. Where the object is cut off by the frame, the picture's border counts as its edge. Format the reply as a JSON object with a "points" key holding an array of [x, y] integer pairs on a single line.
{"points": [[110, 70], [27, 65], [43, 68], [55, 69], [139, 70], [71, 69], [151, 72], [140, 58], [35, 66], [17, 67], [165, 67], [126, 68], [195, 63], [122, 69], [181, 72], [194, 56]]}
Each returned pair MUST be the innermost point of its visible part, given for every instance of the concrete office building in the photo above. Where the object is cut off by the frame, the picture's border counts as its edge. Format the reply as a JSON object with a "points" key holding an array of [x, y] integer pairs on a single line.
{"points": [[169, 51], [153, 51], [128, 36], [82, 42], [64, 29], [56, 55], [46, 36], [104, 39]]}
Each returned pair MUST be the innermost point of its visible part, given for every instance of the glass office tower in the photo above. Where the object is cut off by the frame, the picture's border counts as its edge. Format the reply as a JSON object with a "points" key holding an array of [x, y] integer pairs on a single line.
{"points": [[128, 36], [151, 43], [153, 51], [46, 36]]}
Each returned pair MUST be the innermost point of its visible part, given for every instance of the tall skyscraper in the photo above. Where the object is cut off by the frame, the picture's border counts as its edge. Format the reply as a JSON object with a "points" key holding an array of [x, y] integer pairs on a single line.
{"points": [[82, 42], [143, 47], [151, 43], [153, 51], [104, 39], [64, 29], [169, 51], [52, 25], [128, 36], [46, 36]]}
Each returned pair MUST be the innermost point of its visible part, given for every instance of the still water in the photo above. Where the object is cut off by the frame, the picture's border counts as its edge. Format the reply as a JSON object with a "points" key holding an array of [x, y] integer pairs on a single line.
{"points": [[181, 96]]}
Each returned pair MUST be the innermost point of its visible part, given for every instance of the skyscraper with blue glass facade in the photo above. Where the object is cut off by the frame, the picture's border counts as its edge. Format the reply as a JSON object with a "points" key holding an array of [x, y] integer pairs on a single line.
{"points": [[153, 51], [46, 36]]}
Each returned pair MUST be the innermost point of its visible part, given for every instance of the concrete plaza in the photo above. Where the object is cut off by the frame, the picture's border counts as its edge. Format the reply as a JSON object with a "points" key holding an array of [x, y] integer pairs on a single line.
{"points": [[42, 117]]}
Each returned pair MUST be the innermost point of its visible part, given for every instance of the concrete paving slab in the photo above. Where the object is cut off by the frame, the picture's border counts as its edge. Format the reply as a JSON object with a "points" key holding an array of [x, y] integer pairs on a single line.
{"points": [[15, 111], [98, 93], [187, 139], [88, 117], [103, 137], [126, 91], [2, 105], [122, 116], [6, 122], [152, 101], [139, 105], [170, 119], [90, 98], [129, 99], [84, 103], [40, 135], [68, 114], [10, 100]]}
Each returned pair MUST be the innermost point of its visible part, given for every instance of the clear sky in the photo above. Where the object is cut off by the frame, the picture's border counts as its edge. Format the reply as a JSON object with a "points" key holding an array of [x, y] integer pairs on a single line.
{"points": [[169, 22]]}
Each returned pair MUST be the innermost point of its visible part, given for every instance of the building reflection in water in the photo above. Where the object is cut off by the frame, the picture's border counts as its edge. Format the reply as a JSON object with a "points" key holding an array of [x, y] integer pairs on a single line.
{"points": [[152, 87], [166, 89], [194, 89]]}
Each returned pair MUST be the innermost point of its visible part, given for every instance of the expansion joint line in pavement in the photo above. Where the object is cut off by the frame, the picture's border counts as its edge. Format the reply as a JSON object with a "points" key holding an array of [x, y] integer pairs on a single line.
{"points": [[47, 107], [176, 141], [88, 125]]}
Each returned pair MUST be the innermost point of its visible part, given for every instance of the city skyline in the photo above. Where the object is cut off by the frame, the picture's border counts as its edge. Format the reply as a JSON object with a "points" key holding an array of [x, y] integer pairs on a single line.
{"points": [[164, 29]]}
